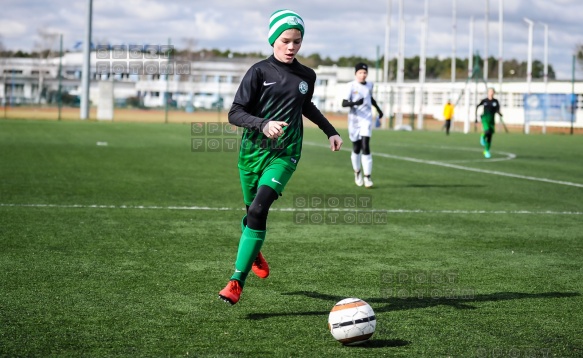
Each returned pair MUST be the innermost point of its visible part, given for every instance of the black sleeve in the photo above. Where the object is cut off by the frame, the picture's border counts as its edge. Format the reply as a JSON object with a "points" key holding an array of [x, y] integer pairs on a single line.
{"points": [[479, 104], [313, 114], [347, 103], [239, 117], [245, 100], [498, 107], [374, 103]]}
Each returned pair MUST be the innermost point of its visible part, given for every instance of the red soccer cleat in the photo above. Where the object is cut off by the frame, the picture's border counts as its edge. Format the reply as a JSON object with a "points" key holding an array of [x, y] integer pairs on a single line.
{"points": [[232, 292], [260, 266]]}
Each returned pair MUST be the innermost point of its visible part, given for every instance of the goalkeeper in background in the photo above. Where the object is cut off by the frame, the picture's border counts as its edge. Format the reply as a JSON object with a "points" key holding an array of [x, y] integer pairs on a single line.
{"points": [[491, 107]]}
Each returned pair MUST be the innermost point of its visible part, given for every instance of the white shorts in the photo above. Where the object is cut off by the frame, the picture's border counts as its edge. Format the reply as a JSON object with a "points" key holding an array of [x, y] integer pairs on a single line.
{"points": [[358, 128]]}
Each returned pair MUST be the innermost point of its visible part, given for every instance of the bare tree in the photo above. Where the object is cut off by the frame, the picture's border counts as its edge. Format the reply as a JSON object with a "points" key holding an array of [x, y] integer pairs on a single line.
{"points": [[190, 45], [45, 47], [47, 43]]}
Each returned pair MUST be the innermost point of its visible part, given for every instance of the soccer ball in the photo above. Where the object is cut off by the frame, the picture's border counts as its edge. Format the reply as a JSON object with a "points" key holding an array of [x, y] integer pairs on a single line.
{"points": [[352, 321]]}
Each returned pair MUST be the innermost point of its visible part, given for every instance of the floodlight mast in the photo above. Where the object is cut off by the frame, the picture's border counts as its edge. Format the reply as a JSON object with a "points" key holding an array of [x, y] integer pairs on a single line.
{"points": [[529, 60], [453, 46], [486, 43], [400, 66], [471, 48], [401, 58], [500, 45], [546, 73], [528, 66], [470, 71], [86, 64], [387, 42], [422, 63]]}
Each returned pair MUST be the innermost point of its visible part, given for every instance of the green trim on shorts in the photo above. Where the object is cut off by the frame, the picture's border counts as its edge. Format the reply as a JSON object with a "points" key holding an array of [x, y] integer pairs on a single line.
{"points": [[276, 176]]}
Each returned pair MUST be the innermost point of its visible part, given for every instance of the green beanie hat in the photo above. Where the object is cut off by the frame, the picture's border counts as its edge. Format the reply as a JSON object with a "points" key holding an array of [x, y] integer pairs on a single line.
{"points": [[282, 20]]}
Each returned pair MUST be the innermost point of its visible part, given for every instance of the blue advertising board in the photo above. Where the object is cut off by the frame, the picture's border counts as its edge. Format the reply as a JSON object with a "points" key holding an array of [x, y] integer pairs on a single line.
{"points": [[551, 107]]}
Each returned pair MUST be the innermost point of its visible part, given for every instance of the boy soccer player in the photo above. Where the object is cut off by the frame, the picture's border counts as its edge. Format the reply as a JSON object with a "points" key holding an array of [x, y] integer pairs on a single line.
{"points": [[269, 104], [491, 107], [359, 99]]}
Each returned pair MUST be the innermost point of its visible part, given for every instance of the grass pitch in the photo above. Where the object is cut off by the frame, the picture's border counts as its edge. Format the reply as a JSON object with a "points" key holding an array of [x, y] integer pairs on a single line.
{"points": [[116, 238]]}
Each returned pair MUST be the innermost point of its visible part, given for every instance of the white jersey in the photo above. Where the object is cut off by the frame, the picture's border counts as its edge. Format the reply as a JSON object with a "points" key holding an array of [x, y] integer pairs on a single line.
{"points": [[360, 117]]}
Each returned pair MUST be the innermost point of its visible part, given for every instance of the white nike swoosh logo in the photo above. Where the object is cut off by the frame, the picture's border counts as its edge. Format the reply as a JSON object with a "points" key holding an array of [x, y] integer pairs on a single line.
{"points": [[238, 270], [275, 181], [268, 83]]}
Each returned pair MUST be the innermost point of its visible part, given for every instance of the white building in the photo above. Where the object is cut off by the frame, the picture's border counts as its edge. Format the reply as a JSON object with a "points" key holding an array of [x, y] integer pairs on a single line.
{"points": [[208, 84]]}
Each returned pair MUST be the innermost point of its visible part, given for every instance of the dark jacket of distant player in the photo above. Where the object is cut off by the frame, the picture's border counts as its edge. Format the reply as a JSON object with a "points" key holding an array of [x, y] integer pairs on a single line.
{"points": [[273, 90], [491, 106]]}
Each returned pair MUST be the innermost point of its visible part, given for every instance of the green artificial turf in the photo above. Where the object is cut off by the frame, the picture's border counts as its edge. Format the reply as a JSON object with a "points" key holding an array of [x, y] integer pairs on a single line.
{"points": [[120, 249]]}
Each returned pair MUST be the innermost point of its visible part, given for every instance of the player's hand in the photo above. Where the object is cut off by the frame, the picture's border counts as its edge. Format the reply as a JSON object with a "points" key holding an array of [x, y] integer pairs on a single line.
{"points": [[380, 114], [274, 129], [359, 102], [335, 143]]}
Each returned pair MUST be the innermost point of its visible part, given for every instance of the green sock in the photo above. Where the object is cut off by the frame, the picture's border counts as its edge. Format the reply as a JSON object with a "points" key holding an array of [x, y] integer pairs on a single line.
{"points": [[249, 246], [487, 146]]}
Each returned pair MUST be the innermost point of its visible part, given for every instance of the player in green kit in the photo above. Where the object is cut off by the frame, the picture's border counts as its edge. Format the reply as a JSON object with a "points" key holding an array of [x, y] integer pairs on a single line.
{"points": [[272, 98], [491, 107]]}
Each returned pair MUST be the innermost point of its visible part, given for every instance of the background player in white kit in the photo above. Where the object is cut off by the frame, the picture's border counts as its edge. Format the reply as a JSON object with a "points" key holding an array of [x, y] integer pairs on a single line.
{"points": [[359, 99]]}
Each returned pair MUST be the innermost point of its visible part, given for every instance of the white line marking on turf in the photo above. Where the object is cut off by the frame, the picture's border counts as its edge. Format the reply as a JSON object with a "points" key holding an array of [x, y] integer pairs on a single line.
{"points": [[208, 208], [460, 167], [509, 156]]}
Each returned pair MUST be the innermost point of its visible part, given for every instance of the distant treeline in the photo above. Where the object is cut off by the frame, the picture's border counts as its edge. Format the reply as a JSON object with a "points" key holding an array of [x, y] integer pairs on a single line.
{"points": [[436, 68]]}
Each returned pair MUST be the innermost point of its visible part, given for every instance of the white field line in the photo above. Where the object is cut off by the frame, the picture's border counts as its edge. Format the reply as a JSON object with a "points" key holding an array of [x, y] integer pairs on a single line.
{"points": [[360, 210], [460, 167], [508, 155]]}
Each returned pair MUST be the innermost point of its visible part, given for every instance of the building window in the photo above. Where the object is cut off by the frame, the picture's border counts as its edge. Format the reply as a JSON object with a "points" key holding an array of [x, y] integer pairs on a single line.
{"points": [[517, 99], [34, 89], [14, 90]]}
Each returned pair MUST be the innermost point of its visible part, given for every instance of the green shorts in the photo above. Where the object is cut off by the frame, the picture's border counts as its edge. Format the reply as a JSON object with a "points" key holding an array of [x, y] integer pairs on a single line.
{"points": [[488, 123], [275, 176]]}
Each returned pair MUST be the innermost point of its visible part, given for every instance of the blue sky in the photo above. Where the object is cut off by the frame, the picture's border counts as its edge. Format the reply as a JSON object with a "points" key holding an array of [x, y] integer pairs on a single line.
{"points": [[334, 29]]}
